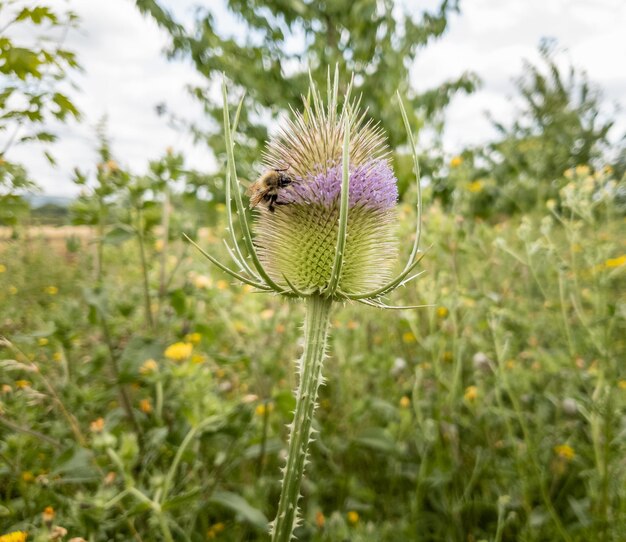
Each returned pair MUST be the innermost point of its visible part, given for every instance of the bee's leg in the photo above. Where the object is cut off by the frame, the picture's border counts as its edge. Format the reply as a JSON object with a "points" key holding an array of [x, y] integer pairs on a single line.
{"points": [[272, 202]]}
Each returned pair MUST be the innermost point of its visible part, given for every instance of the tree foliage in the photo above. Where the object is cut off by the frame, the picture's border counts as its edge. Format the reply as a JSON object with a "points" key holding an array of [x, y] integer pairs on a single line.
{"points": [[561, 123], [276, 43], [33, 65]]}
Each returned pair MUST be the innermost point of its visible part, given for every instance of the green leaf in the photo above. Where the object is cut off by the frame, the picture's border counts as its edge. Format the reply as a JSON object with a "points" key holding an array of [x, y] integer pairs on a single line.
{"points": [[178, 300], [137, 351], [77, 463], [119, 235], [21, 62], [65, 106], [37, 15], [180, 500], [376, 438], [241, 507]]}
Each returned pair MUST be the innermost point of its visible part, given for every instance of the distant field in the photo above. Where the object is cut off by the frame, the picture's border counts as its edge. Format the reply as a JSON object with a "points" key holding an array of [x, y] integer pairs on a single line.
{"points": [[55, 236], [49, 232]]}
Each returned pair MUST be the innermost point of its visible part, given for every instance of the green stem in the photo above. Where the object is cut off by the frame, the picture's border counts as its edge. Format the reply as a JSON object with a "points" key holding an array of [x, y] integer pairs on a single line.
{"points": [[159, 400], [144, 271], [165, 235], [315, 336], [169, 478], [100, 244], [165, 529]]}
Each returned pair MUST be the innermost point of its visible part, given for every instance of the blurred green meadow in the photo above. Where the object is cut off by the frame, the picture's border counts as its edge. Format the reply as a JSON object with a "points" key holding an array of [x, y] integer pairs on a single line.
{"points": [[495, 414], [143, 392]]}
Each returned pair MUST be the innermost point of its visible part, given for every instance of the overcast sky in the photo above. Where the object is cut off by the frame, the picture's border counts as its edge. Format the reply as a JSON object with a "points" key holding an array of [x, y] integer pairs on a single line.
{"points": [[125, 74]]}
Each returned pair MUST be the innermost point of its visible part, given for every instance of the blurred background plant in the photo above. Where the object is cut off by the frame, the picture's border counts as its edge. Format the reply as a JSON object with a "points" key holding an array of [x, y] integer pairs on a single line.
{"points": [[35, 70], [143, 397]]}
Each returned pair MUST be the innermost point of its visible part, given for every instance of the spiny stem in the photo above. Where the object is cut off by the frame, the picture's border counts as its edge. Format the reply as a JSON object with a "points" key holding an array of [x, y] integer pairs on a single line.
{"points": [[315, 335]]}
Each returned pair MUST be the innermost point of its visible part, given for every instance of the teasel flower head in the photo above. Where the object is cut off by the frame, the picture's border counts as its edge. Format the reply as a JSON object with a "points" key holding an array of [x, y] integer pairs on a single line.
{"points": [[331, 230], [298, 239]]}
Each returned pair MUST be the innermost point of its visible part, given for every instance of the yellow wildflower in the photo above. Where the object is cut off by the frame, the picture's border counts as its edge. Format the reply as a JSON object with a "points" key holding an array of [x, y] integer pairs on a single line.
{"points": [[12, 290], [215, 529], [97, 425], [193, 338], [3, 268], [239, 326], [198, 358], [476, 186], [158, 245], [221, 284], [48, 515], [178, 351], [148, 367], [15, 536], [456, 161], [51, 290], [28, 476], [57, 356], [202, 282], [616, 262], [262, 408], [42, 341], [468, 302], [471, 393], [320, 520], [442, 312], [145, 405], [405, 402], [622, 384], [408, 337], [565, 451], [353, 517], [21, 384], [582, 170]]}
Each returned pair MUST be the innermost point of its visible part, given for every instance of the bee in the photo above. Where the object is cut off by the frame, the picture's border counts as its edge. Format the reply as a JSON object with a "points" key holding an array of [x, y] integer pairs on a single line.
{"points": [[266, 188]]}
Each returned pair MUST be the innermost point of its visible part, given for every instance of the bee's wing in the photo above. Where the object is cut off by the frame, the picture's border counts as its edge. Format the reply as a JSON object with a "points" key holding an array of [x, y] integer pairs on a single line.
{"points": [[256, 198], [255, 193]]}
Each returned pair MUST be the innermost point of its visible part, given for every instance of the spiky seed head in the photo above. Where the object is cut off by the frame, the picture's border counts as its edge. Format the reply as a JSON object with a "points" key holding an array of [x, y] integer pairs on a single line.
{"points": [[297, 241]]}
